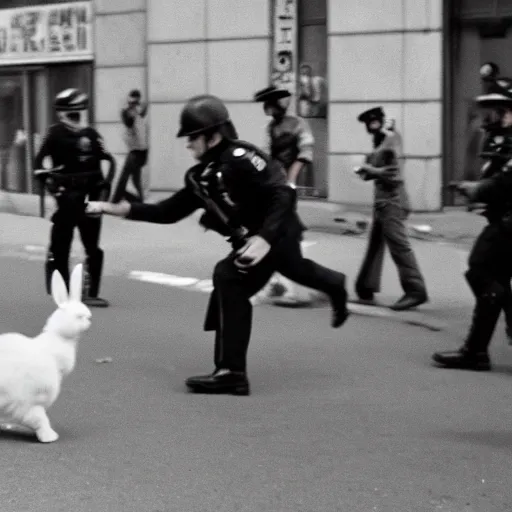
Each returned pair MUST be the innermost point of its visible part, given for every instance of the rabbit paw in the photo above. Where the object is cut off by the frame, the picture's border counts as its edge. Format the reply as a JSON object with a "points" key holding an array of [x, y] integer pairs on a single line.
{"points": [[47, 435]]}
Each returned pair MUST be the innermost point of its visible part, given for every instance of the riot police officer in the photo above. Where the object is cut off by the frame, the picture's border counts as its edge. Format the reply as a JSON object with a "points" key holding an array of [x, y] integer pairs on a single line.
{"points": [[77, 151], [246, 198], [490, 260]]}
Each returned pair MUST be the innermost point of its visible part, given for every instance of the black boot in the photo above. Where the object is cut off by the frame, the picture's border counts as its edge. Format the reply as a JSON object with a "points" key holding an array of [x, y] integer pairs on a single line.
{"points": [[92, 281], [463, 359], [474, 354], [220, 382], [339, 300]]}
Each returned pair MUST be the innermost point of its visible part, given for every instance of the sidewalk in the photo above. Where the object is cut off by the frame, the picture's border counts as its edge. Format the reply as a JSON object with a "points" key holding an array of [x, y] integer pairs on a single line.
{"points": [[454, 225]]}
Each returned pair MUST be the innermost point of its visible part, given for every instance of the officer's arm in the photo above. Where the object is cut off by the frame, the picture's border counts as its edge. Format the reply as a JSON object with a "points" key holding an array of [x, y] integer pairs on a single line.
{"points": [[173, 209], [44, 151], [305, 142], [389, 173], [107, 156], [111, 168], [497, 188]]}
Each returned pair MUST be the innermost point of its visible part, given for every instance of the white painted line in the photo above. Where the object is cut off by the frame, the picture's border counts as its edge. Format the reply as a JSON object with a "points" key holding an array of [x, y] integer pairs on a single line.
{"points": [[35, 248], [191, 283]]}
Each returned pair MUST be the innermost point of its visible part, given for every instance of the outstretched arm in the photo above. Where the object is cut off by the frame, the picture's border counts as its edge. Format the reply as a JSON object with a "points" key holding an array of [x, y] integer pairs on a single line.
{"points": [[173, 209]]}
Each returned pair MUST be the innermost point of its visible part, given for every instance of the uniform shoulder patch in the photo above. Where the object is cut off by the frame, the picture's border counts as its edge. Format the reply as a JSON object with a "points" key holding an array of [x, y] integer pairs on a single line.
{"points": [[239, 152]]}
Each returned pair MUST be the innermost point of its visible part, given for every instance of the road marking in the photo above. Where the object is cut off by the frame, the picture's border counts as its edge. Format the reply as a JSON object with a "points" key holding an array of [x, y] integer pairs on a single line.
{"points": [[191, 283]]}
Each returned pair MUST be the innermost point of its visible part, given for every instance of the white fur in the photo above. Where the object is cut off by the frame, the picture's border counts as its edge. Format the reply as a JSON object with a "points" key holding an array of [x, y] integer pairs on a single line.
{"points": [[31, 369]]}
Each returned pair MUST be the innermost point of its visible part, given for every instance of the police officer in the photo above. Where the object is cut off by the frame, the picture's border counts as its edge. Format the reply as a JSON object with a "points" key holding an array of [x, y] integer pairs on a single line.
{"points": [[246, 198], [77, 151], [390, 210], [490, 260]]}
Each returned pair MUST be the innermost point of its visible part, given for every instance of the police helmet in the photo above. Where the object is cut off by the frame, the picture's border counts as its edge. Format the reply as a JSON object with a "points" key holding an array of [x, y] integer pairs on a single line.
{"points": [[71, 100], [499, 94], [204, 113]]}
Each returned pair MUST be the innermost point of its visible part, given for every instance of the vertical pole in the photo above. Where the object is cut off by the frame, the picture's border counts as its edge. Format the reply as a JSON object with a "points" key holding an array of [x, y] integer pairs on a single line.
{"points": [[27, 125]]}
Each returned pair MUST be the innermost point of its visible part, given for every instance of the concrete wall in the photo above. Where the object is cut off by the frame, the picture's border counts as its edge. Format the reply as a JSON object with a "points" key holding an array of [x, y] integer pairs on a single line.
{"points": [[389, 54], [383, 53], [120, 65], [220, 47]]}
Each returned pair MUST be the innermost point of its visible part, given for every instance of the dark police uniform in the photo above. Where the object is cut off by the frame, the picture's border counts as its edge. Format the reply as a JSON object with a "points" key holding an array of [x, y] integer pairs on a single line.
{"points": [[78, 152], [490, 260], [252, 191]]}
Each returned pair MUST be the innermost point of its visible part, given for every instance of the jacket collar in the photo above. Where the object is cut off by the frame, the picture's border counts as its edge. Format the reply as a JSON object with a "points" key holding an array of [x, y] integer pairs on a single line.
{"points": [[213, 154]]}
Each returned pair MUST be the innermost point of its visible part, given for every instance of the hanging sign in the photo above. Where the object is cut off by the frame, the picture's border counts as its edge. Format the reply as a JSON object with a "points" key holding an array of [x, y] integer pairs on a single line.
{"points": [[46, 33], [284, 58]]}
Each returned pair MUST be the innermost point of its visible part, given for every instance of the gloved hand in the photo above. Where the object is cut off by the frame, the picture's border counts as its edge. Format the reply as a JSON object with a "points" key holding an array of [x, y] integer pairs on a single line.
{"points": [[252, 252]]}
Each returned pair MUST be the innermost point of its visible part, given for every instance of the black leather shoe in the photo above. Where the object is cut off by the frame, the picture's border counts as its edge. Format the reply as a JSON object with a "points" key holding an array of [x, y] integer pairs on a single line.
{"points": [[96, 302], [462, 359], [340, 311], [409, 301], [220, 382], [365, 295]]}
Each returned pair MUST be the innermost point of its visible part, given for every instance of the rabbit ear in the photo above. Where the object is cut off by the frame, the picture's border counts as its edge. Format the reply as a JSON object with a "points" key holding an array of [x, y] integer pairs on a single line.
{"points": [[75, 287], [59, 290]]}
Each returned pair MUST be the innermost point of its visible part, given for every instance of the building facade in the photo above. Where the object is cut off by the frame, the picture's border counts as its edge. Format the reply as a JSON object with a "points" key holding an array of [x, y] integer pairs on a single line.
{"points": [[419, 59]]}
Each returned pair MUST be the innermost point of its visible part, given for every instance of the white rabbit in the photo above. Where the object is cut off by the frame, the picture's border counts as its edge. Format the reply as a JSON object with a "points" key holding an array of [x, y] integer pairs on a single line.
{"points": [[31, 369]]}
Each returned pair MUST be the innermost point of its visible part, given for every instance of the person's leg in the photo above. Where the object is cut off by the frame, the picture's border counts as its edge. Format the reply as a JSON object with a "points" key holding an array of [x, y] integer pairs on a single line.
{"points": [[126, 172], [61, 238], [140, 162], [487, 276], [292, 264], [230, 316], [90, 229], [369, 277], [397, 240]]}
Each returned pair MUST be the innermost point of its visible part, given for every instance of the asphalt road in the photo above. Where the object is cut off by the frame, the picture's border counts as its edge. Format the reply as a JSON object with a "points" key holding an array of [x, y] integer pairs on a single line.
{"points": [[349, 420]]}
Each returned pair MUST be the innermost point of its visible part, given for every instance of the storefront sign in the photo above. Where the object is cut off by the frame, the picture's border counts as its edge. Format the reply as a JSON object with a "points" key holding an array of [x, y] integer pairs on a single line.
{"points": [[284, 65], [46, 33]]}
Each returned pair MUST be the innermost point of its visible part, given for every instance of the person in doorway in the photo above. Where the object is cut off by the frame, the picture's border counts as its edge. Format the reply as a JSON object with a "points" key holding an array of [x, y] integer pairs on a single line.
{"points": [[78, 151], [247, 200], [490, 260], [291, 142], [136, 138], [390, 210]]}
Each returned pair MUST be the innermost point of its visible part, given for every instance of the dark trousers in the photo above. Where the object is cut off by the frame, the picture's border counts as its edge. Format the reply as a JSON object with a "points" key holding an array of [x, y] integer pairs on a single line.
{"points": [[132, 168], [489, 275], [70, 214], [389, 229], [230, 310]]}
